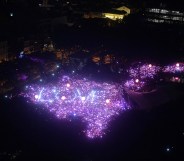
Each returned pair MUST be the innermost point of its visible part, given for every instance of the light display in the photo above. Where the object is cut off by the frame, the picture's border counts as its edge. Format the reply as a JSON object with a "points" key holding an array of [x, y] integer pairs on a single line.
{"points": [[140, 76], [175, 68], [95, 103], [144, 71], [134, 85]]}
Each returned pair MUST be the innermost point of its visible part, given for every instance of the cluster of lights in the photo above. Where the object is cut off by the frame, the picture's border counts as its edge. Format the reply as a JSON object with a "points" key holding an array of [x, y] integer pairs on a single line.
{"points": [[148, 71], [95, 103], [134, 84], [144, 71], [141, 75], [178, 67]]}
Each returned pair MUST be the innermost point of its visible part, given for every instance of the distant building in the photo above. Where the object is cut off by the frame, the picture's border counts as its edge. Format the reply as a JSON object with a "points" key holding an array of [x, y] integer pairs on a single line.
{"points": [[124, 8], [160, 15], [103, 58], [96, 59], [114, 14], [107, 59], [49, 47]]}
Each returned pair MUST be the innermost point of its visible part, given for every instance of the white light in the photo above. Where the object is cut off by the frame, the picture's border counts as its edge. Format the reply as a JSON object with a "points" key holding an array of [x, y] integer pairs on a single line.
{"points": [[63, 97], [57, 66], [137, 80], [83, 98], [11, 14], [150, 65], [36, 96], [168, 149], [68, 85], [107, 100], [40, 80], [177, 64], [53, 74]]}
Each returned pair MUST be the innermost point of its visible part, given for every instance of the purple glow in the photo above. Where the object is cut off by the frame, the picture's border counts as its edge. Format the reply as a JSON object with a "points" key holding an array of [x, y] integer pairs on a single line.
{"points": [[140, 75], [134, 85], [22, 77], [95, 103], [144, 71], [178, 67], [37, 60]]}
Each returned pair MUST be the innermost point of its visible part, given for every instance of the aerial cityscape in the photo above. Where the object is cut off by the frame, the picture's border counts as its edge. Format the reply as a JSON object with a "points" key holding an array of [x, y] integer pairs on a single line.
{"points": [[94, 80]]}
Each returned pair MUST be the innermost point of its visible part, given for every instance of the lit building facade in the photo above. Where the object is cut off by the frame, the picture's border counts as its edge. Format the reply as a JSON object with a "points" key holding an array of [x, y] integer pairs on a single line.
{"points": [[158, 15], [114, 14]]}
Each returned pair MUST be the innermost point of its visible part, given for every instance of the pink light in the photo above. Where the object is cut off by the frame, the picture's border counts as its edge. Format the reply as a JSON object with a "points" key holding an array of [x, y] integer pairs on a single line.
{"points": [[177, 64], [150, 65], [137, 80], [176, 78]]}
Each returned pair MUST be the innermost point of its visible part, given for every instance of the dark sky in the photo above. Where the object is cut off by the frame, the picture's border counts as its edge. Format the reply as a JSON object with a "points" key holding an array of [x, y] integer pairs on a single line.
{"points": [[171, 3]]}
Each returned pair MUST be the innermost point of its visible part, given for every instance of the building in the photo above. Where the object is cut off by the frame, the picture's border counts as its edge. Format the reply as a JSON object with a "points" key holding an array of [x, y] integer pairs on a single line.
{"points": [[123, 8], [161, 15], [113, 14]]}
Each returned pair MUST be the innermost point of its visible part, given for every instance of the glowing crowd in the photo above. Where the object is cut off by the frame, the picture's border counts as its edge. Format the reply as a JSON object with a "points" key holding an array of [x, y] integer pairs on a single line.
{"points": [[96, 104]]}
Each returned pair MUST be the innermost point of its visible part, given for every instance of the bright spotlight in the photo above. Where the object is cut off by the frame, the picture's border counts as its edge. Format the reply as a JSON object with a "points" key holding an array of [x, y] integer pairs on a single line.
{"points": [[36, 96], [63, 97], [83, 98], [137, 80], [68, 85], [107, 100]]}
